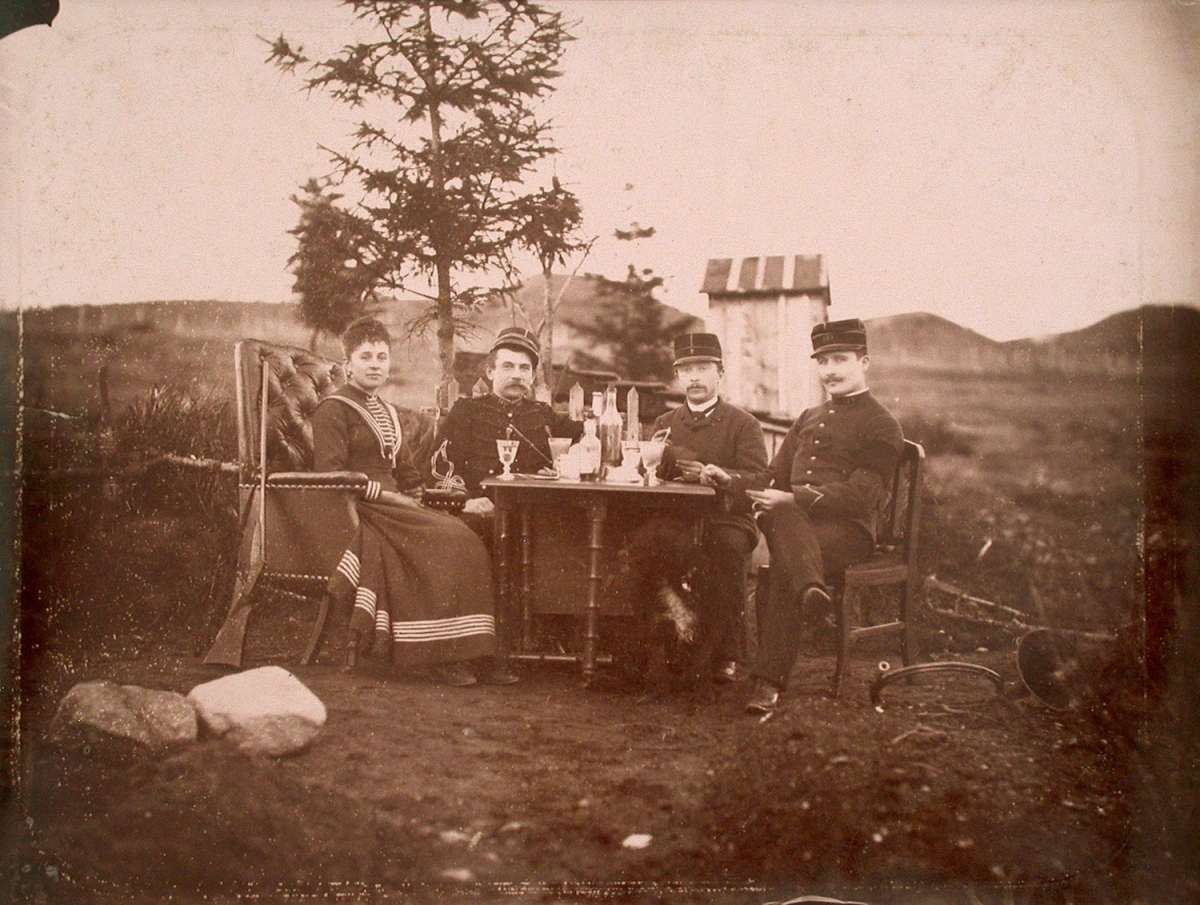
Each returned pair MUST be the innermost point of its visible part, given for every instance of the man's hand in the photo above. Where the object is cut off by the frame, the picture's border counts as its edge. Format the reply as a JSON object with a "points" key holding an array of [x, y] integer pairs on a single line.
{"points": [[689, 470], [715, 476], [480, 505], [766, 500]]}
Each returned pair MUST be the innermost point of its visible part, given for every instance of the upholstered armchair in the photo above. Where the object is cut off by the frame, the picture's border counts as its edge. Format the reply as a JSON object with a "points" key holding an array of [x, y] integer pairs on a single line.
{"points": [[296, 523]]}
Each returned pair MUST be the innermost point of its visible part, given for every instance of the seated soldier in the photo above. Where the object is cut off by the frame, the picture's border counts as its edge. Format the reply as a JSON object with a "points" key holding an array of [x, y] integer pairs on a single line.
{"points": [[830, 478], [718, 444], [472, 427]]}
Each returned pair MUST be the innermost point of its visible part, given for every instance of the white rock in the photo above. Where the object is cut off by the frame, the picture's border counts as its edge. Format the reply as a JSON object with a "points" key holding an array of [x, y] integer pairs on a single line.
{"points": [[637, 840], [262, 711], [156, 719]]}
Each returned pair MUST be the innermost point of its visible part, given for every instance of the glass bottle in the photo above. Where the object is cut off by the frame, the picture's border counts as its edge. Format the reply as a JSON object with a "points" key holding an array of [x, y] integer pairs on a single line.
{"points": [[632, 415], [575, 406], [597, 404], [589, 451], [611, 429]]}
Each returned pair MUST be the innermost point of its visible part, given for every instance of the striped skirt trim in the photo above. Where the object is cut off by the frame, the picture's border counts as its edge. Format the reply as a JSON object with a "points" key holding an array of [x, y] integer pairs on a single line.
{"points": [[422, 630]]}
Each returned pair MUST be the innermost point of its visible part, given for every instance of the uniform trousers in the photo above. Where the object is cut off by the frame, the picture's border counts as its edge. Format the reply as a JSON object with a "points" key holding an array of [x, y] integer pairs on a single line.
{"points": [[724, 555], [804, 552]]}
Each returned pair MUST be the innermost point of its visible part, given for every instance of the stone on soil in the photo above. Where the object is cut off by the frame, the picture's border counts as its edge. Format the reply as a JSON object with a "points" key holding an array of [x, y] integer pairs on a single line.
{"points": [[151, 718], [264, 711]]}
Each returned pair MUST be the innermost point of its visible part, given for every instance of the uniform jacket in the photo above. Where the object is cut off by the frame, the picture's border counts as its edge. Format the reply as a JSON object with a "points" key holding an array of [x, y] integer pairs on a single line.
{"points": [[473, 426], [725, 436], [345, 439], [838, 459]]}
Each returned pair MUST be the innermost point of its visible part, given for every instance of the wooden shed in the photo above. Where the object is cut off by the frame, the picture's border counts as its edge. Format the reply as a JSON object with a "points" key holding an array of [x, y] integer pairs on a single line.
{"points": [[763, 309]]}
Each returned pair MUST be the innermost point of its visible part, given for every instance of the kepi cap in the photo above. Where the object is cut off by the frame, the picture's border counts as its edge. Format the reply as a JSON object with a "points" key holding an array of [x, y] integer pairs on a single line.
{"points": [[697, 347], [519, 339], [839, 336]]}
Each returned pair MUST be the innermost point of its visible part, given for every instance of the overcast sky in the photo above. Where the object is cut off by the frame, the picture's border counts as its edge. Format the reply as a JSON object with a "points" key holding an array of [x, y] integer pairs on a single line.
{"points": [[1020, 168]]}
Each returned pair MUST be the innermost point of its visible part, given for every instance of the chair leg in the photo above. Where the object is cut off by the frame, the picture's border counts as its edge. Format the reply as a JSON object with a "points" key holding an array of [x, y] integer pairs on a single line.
{"points": [[352, 643], [314, 642], [909, 630], [847, 606]]}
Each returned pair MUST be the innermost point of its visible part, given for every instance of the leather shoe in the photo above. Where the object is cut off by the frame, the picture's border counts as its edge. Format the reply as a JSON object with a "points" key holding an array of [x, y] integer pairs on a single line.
{"points": [[765, 698], [453, 674], [816, 606], [725, 672]]}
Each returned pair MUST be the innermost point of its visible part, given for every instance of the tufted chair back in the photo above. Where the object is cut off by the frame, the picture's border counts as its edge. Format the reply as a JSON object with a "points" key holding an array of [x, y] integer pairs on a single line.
{"points": [[296, 381]]}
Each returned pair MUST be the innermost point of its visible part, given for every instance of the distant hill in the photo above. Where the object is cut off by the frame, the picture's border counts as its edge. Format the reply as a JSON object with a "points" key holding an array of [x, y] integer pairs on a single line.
{"points": [[1154, 340], [1158, 339], [928, 341]]}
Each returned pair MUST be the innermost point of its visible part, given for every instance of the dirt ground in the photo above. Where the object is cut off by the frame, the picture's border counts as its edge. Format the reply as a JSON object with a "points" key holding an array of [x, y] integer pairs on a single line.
{"points": [[417, 792]]}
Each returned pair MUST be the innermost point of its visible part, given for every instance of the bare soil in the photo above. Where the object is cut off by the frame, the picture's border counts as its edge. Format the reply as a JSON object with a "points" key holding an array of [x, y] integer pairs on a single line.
{"points": [[418, 792]]}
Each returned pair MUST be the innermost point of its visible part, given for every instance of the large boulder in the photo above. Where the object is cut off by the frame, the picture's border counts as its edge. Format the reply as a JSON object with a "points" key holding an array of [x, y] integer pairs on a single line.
{"points": [[150, 718], [262, 711]]}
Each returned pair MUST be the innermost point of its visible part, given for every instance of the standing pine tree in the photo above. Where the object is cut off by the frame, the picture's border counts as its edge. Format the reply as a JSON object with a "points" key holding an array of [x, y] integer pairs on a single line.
{"points": [[333, 282], [446, 89]]}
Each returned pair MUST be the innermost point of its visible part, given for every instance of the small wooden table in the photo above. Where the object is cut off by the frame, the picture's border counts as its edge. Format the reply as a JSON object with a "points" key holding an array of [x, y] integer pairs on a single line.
{"points": [[530, 496]]}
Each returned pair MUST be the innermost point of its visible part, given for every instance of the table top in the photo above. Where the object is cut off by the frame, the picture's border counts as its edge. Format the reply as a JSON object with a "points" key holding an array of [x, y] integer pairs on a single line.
{"points": [[558, 485]]}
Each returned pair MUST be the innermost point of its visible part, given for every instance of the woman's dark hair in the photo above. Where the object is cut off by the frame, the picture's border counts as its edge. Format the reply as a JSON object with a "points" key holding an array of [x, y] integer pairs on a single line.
{"points": [[362, 331]]}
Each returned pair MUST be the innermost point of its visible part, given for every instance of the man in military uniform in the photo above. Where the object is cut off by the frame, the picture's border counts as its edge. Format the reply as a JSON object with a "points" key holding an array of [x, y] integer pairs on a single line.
{"points": [[830, 478], [508, 412], [715, 443]]}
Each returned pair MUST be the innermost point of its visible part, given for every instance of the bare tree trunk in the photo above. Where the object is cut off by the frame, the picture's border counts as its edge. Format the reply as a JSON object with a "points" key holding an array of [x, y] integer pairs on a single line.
{"points": [[445, 332], [445, 299], [548, 331]]}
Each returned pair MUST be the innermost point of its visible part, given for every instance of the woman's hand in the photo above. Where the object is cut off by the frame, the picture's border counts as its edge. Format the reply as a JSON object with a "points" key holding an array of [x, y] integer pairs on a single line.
{"points": [[766, 500], [480, 504], [398, 499]]}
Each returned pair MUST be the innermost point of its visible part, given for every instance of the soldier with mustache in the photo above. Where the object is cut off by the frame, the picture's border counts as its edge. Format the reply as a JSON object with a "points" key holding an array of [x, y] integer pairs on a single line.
{"points": [[718, 444], [830, 479], [508, 412]]}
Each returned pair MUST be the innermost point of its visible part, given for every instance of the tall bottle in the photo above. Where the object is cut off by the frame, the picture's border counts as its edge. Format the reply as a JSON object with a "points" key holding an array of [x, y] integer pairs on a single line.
{"points": [[611, 429], [589, 452], [575, 406], [632, 415], [597, 404]]}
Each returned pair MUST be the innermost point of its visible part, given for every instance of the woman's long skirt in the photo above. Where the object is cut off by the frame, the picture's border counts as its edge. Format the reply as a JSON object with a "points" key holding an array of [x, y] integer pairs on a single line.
{"points": [[421, 586]]}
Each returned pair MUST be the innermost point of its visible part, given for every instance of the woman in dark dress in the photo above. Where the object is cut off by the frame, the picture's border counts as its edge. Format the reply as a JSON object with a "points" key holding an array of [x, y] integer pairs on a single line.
{"points": [[420, 581]]}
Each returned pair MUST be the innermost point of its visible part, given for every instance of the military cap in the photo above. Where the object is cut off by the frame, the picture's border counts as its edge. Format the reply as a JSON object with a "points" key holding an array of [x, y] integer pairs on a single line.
{"points": [[519, 339], [839, 336], [697, 347]]}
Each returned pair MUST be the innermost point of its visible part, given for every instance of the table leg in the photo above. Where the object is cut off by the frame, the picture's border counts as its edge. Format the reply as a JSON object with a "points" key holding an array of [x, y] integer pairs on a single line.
{"points": [[526, 579], [500, 530], [597, 512]]}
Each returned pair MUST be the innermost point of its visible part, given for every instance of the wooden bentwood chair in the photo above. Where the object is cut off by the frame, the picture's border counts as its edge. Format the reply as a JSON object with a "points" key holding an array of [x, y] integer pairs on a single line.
{"points": [[297, 523], [892, 564]]}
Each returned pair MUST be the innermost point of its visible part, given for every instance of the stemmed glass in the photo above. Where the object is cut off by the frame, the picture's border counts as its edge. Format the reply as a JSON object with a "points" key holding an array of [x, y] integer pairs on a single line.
{"points": [[558, 449], [652, 453], [507, 450]]}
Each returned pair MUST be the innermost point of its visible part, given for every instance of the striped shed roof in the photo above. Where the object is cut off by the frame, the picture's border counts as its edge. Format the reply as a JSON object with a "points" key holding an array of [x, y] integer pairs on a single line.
{"points": [[765, 275]]}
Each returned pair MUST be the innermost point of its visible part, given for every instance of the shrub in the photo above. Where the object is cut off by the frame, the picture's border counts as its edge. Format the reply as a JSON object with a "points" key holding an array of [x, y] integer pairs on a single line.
{"points": [[173, 420]]}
